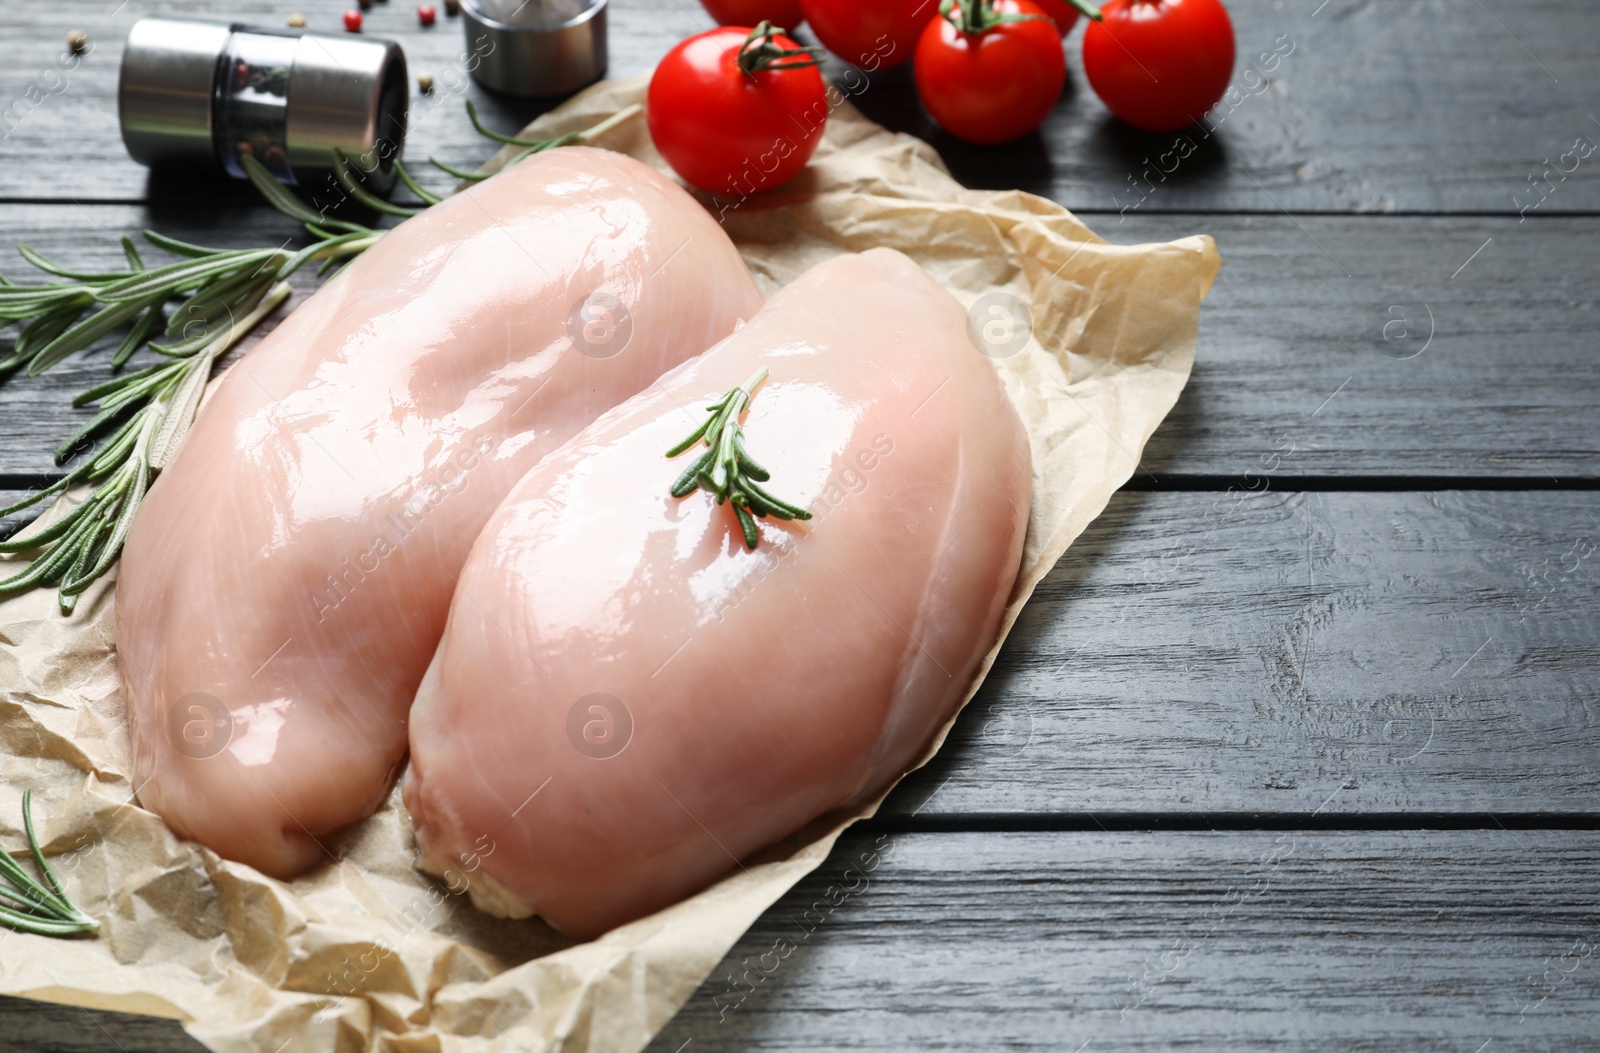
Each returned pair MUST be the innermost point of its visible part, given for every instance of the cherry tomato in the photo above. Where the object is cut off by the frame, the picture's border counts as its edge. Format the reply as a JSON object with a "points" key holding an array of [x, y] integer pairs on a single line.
{"points": [[782, 13], [1063, 14], [872, 34], [1160, 64], [732, 132], [994, 85]]}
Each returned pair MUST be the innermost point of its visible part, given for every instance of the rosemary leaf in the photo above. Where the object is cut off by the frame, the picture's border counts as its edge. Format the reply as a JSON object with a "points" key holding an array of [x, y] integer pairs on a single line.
{"points": [[49, 533], [208, 301], [84, 333], [77, 440], [428, 197], [38, 856], [333, 248], [42, 908], [748, 525], [174, 246], [115, 390], [353, 187], [48, 326], [110, 547], [178, 275], [489, 133], [726, 471], [137, 334], [44, 264], [282, 198], [131, 251], [460, 173]]}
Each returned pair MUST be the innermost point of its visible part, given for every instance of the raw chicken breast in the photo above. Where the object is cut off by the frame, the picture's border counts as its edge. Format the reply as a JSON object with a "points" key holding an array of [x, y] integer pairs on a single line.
{"points": [[288, 577], [627, 701]]}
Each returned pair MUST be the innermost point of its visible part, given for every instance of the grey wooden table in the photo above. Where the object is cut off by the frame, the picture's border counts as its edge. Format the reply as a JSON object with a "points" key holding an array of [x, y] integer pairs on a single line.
{"points": [[1299, 746]]}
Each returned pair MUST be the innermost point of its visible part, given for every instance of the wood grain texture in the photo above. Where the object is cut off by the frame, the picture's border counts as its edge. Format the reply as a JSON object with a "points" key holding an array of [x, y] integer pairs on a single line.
{"points": [[1368, 346], [1228, 647], [1396, 370], [1412, 942], [1341, 653], [1222, 656], [42, 1027], [1415, 941], [1368, 112]]}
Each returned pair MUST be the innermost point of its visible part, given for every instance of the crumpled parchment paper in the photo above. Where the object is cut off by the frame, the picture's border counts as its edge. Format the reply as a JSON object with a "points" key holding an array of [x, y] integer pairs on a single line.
{"points": [[370, 955]]}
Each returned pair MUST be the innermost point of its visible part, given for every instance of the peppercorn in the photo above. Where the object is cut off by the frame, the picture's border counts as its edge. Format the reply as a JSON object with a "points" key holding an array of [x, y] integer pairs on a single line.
{"points": [[77, 40], [426, 14], [425, 82], [297, 21], [352, 21]]}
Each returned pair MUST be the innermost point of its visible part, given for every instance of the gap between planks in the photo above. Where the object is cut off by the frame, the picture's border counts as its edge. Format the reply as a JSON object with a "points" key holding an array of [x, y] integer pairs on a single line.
{"points": [[1219, 822]]}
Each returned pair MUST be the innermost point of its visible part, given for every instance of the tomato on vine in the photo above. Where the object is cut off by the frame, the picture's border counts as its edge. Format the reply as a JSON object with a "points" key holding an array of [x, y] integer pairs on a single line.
{"points": [[871, 34], [1160, 64], [753, 12], [990, 70], [737, 111]]}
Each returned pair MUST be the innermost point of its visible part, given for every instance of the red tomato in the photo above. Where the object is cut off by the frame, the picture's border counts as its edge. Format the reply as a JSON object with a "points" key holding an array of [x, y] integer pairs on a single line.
{"points": [[785, 14], [872, 34], [728, 131], [995, 85], [1160, 64], [1063, 14]]}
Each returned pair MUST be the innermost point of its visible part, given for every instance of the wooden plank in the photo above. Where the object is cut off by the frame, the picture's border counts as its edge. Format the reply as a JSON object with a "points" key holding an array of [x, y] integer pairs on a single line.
{"points": [[1363, 112], [1347, 654], [1345, 346], [42, 1027], [1414, 941], [1411, 941], [1399, 370]]}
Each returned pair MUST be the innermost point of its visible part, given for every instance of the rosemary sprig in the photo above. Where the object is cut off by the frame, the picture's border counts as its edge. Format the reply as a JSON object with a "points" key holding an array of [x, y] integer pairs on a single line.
{"points": [[30, 905], [726, 470], [141, 416], [148, 412], [531, 146]]}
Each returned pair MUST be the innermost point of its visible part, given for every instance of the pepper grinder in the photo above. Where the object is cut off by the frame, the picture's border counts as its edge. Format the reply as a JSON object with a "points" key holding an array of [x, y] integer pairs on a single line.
{"points": [[200, 94]]}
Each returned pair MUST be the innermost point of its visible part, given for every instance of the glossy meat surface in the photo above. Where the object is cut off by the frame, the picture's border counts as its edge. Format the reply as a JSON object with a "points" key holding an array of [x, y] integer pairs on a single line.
{"points": [[288, 577], [626, 701]]}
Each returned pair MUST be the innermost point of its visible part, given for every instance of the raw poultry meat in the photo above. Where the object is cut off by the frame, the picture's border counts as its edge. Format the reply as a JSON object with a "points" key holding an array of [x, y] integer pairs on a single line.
{"points": [[627, 702], [288, 577]]}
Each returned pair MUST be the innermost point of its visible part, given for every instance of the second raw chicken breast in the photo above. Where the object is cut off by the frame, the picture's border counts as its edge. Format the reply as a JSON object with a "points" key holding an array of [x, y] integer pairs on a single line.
{"points": [[287, 580], [627, 701]]}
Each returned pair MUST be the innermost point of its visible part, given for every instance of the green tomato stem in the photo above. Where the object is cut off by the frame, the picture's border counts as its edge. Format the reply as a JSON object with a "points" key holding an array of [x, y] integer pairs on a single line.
{"points": [[761, 51], [976, 17]]}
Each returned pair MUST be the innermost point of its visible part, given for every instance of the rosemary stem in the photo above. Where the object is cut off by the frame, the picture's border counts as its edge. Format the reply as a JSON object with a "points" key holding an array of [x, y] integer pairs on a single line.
{"points": [[625, 114]]}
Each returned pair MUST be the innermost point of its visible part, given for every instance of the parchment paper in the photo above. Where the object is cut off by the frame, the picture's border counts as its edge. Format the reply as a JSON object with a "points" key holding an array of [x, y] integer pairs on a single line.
{"points": [[368, 954]]}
